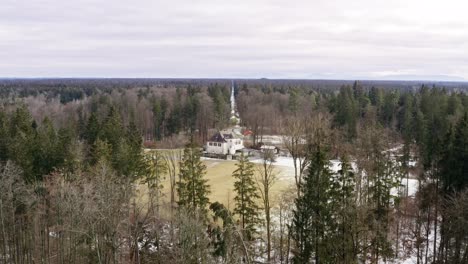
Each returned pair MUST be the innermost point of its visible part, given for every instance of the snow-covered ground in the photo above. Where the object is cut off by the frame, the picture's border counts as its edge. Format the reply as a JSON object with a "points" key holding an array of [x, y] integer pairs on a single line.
{"points": [[285, 167], [271, 139], [285, 172]]}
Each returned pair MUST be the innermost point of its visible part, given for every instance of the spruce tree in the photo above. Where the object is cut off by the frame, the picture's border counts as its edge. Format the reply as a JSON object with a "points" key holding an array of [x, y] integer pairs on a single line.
{"points": [[345, 213], [133, 155], [192, 188], [456, 167], [45, 157], [112, 129], [21, 141], [155, 170], [246, 195], [293, 103], [159, 115], [312, 218], [92, 129], [384, 176], [3, 136]]}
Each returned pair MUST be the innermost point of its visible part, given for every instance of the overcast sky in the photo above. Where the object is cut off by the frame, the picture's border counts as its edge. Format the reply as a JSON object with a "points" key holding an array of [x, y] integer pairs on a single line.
{"points": [[324, 39]]}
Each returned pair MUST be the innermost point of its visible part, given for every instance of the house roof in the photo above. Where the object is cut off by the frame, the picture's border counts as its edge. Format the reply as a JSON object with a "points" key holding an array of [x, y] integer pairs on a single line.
{"points": [[228, 136], [248, 132], [224, 135], [217, 138]]}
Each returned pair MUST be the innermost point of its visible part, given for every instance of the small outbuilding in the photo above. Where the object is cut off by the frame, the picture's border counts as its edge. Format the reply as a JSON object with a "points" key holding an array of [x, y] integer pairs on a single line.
{"points": [[273, 149]]}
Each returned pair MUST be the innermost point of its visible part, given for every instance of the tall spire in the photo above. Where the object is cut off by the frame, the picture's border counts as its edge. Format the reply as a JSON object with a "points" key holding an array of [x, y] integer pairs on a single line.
{"points": [[234, 114]]}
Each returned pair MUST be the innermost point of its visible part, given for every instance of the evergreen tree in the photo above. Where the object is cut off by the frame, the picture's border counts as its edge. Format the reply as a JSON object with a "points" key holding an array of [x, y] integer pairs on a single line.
{"points": [[361, 98], [174, 122], [156, 168], [101, 151], [246, 197], [46, 155], [69, 150], [3, 136], [454, 165], [375, 96], [21, 141], [293, 103], [388, 110], [112, 129], [224, 236], [133, 156], [343, 203], [159, 115], [312, 220], [220, 105], [384, 176], [191, 109], [192, 188], [92, 129], [347, 111]]}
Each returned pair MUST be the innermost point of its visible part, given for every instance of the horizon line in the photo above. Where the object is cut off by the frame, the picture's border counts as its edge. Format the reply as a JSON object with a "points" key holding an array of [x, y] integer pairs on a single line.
{"points": [[235, 78]]}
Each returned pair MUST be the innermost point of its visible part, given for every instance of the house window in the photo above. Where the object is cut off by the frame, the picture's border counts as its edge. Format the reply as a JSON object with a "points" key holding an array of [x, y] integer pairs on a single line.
{"points": [[219, 144]]}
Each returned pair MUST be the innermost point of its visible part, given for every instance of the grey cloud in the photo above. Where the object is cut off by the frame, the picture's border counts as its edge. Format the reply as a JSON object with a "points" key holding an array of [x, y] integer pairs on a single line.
{"points": [[283, 39]]}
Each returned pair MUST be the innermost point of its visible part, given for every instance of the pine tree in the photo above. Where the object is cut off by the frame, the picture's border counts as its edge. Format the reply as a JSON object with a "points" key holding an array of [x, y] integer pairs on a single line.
{"points": [[246, 195], [192, 188]]}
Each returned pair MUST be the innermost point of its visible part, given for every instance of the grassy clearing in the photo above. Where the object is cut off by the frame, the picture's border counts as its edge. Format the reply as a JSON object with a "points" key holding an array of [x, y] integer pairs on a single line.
{"points": [[219, 176]]}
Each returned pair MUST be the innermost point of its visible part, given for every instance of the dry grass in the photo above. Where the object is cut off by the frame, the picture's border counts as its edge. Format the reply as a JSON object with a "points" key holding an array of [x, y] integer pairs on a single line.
{"points": [[219, 176]]}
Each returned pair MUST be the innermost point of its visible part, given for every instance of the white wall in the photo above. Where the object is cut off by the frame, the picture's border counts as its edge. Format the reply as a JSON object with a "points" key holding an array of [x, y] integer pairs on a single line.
{"points": [[216, 149], [229, 147]]}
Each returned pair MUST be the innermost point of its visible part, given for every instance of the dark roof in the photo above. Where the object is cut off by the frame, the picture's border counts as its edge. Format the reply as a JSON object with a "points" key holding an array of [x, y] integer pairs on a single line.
{"points": [[227, 136], [217, 138]]}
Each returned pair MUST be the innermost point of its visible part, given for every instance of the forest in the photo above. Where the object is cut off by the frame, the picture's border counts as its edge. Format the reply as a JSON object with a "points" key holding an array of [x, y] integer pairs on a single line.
{"points": [[75, 155]]}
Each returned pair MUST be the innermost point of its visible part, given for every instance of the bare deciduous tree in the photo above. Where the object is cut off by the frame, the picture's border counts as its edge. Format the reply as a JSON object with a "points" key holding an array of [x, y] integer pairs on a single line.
{"points": [[266, 177], [295, 141]]}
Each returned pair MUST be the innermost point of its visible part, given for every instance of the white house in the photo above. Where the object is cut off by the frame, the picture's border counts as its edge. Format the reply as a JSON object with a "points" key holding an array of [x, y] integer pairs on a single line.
{"points": [[225, 143]]}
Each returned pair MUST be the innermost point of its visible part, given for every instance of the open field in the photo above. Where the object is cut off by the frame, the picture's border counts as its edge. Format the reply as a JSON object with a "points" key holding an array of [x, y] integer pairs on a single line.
{"points": [[219, 176]]}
